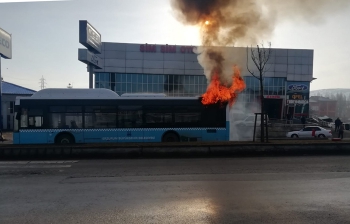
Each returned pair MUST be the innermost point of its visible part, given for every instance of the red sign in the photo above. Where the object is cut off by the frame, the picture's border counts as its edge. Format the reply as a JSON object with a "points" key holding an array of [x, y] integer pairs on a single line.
{"points": [[166, 48]]}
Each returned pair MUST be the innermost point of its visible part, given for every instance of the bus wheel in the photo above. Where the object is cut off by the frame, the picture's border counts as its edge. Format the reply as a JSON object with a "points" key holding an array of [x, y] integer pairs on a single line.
{"points": [[64, 139], [170, 137]]}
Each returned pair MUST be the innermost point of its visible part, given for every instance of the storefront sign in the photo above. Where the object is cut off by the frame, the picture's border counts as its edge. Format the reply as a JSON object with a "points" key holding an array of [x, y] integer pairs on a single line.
{"points": [[297, 97], [166, 48], [272, 97], [5, 44], [297, 101], [298, 86], [90, 37], [87, 57]]}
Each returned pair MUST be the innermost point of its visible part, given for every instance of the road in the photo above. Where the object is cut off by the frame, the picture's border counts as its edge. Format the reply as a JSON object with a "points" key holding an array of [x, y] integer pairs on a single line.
{"points": [[216, 190]]}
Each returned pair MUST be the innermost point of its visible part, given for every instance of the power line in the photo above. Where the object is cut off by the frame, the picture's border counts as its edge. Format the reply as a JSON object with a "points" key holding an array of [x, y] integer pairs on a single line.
{"points": [[42, 82]]}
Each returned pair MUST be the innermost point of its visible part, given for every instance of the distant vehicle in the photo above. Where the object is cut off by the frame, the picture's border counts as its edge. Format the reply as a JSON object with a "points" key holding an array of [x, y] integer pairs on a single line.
{"points": [[67, 116], [307, 133], [249, 120]]}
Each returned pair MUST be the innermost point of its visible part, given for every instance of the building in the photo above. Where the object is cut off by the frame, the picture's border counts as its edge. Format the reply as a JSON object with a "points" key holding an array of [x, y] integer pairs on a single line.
{"points": [[9, 93], [323, 106], [175, 71]]}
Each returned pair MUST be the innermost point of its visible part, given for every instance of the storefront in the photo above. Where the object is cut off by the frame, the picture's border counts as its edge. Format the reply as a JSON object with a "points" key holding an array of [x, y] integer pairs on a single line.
{"points": [[174, 70], [298, 94]]}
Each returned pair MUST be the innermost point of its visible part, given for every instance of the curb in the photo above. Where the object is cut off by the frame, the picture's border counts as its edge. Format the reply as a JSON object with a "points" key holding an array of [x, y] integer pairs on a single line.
{"points": [[176, 150]]}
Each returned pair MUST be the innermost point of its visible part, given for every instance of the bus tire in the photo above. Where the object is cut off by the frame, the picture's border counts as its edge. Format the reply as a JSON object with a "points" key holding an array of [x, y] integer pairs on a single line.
{"points": [[64, 138], [170, 137]]}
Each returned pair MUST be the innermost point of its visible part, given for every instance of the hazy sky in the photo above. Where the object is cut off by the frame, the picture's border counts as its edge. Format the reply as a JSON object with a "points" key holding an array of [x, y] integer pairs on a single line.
{"points": [[46, 38]]}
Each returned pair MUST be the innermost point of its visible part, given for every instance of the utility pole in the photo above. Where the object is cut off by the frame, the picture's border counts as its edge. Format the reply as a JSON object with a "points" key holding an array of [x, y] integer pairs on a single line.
{"points": [[42, 83]]}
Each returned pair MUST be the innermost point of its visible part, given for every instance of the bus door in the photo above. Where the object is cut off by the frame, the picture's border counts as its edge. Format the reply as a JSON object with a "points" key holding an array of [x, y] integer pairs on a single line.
{"points": [[130, 124]]}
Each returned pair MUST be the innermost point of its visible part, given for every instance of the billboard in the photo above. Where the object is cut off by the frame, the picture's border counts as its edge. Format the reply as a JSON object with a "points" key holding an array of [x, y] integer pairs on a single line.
{"points": [[89, 37], [87, 57], [5, 44]]}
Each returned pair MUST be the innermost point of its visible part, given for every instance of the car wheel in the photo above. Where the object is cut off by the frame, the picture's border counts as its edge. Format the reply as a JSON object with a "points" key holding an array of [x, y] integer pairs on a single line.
{"points": [[295, 136], [321, 136]]}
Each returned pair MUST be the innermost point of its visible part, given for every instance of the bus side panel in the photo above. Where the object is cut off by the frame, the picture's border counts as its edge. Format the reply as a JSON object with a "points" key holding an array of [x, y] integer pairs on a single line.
{"points": [[227, 131], [130, 135], [77, 134], [100, 135], [214, 134], [16, 138], [190, 134], [153, 135], [32, 137]]}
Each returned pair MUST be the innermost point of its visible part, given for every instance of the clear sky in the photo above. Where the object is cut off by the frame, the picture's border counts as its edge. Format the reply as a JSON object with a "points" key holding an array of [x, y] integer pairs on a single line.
{"points": [[46, 38]]}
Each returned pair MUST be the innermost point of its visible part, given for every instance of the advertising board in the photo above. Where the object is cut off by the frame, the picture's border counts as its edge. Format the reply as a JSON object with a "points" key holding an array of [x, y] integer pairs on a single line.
{"points": [[5, 44], [87, 57], [90, 37]]}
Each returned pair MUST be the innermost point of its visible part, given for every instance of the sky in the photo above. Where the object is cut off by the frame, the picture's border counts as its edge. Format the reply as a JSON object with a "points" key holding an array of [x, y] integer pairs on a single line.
{"points": [[45, 38]]}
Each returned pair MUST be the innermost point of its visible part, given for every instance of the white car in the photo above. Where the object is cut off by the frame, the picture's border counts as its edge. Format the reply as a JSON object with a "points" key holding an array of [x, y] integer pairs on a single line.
{"points": [[307, 133]]}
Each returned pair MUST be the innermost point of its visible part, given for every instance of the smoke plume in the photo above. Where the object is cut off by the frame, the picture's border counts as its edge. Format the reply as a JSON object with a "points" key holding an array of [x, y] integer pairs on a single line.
{"points": [[242, 23]]}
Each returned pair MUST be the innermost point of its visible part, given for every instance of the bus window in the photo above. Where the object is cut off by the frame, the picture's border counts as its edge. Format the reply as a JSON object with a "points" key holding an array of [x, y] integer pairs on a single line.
{"points": [[130, 116], [35, 122], [24, 118], [158, 118], [100, 120], [187, 117], [66, 117]]}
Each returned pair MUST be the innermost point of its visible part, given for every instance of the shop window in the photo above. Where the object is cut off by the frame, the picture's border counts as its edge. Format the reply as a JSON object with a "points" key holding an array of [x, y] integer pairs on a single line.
{"points": [[12, 106]]}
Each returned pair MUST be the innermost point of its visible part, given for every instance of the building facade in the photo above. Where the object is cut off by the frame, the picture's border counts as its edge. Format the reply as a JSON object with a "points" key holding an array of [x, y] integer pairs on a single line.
{"points": [[9, 93], [175, 71], [323, 106]]}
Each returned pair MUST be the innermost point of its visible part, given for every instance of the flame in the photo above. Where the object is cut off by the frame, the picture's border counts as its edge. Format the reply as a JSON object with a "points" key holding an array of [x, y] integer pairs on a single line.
{"points": [[217, 92], [207, 22]]}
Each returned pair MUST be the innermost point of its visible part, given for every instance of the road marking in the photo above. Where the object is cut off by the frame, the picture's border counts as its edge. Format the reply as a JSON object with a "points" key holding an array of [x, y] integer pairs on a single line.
{"points": [[37, 162], [36, 166]]}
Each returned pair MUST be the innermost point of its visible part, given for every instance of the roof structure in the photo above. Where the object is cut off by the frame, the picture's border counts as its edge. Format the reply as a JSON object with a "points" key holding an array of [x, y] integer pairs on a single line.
{"points": [[13, 89]]}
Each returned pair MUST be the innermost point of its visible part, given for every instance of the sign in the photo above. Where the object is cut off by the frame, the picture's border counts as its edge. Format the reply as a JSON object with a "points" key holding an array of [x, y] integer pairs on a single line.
{"points": [[297, 97], [90, 58], [297, 101], [167, 48], [297, 87], [272, 97], [90, 37], [5, 44]]}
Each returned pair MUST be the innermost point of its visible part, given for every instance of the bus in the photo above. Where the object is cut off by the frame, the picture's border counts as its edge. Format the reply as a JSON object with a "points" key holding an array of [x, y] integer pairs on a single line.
{"points": [[67, 116]]}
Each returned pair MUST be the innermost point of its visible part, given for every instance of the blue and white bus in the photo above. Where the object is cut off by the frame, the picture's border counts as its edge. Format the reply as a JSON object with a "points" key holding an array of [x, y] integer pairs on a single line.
{"points": [[66, 116]]}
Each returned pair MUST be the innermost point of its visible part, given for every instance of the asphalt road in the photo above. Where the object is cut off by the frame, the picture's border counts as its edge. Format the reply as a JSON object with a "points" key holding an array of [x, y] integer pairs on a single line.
{"points": [[235, 190]]}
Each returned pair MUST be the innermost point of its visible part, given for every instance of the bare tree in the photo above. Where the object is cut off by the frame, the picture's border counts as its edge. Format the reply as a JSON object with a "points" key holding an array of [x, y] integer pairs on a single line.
{"points": [[260, 56]]}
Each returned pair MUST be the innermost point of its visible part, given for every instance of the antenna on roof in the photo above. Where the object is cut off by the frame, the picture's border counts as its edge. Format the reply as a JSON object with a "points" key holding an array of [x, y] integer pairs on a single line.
{"points": [[42, 82]]}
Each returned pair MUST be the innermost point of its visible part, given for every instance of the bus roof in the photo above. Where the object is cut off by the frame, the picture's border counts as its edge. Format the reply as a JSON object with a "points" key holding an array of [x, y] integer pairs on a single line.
{"points": [[97, 94], [75, 94]]}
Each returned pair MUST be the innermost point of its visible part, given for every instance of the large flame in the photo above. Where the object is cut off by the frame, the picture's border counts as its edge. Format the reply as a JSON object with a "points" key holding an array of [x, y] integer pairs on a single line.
{"points": [[217, 92]]}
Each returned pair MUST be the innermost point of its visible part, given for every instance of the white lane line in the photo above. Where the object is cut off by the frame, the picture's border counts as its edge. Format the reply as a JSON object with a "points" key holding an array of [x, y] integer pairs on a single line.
{"points": [[36, 166], [35, 162]]}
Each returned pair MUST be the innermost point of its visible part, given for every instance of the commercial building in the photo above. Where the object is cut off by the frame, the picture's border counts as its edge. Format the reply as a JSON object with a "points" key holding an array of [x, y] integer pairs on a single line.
{"points": [[175, 71], [9, 93], [323, 106]]}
